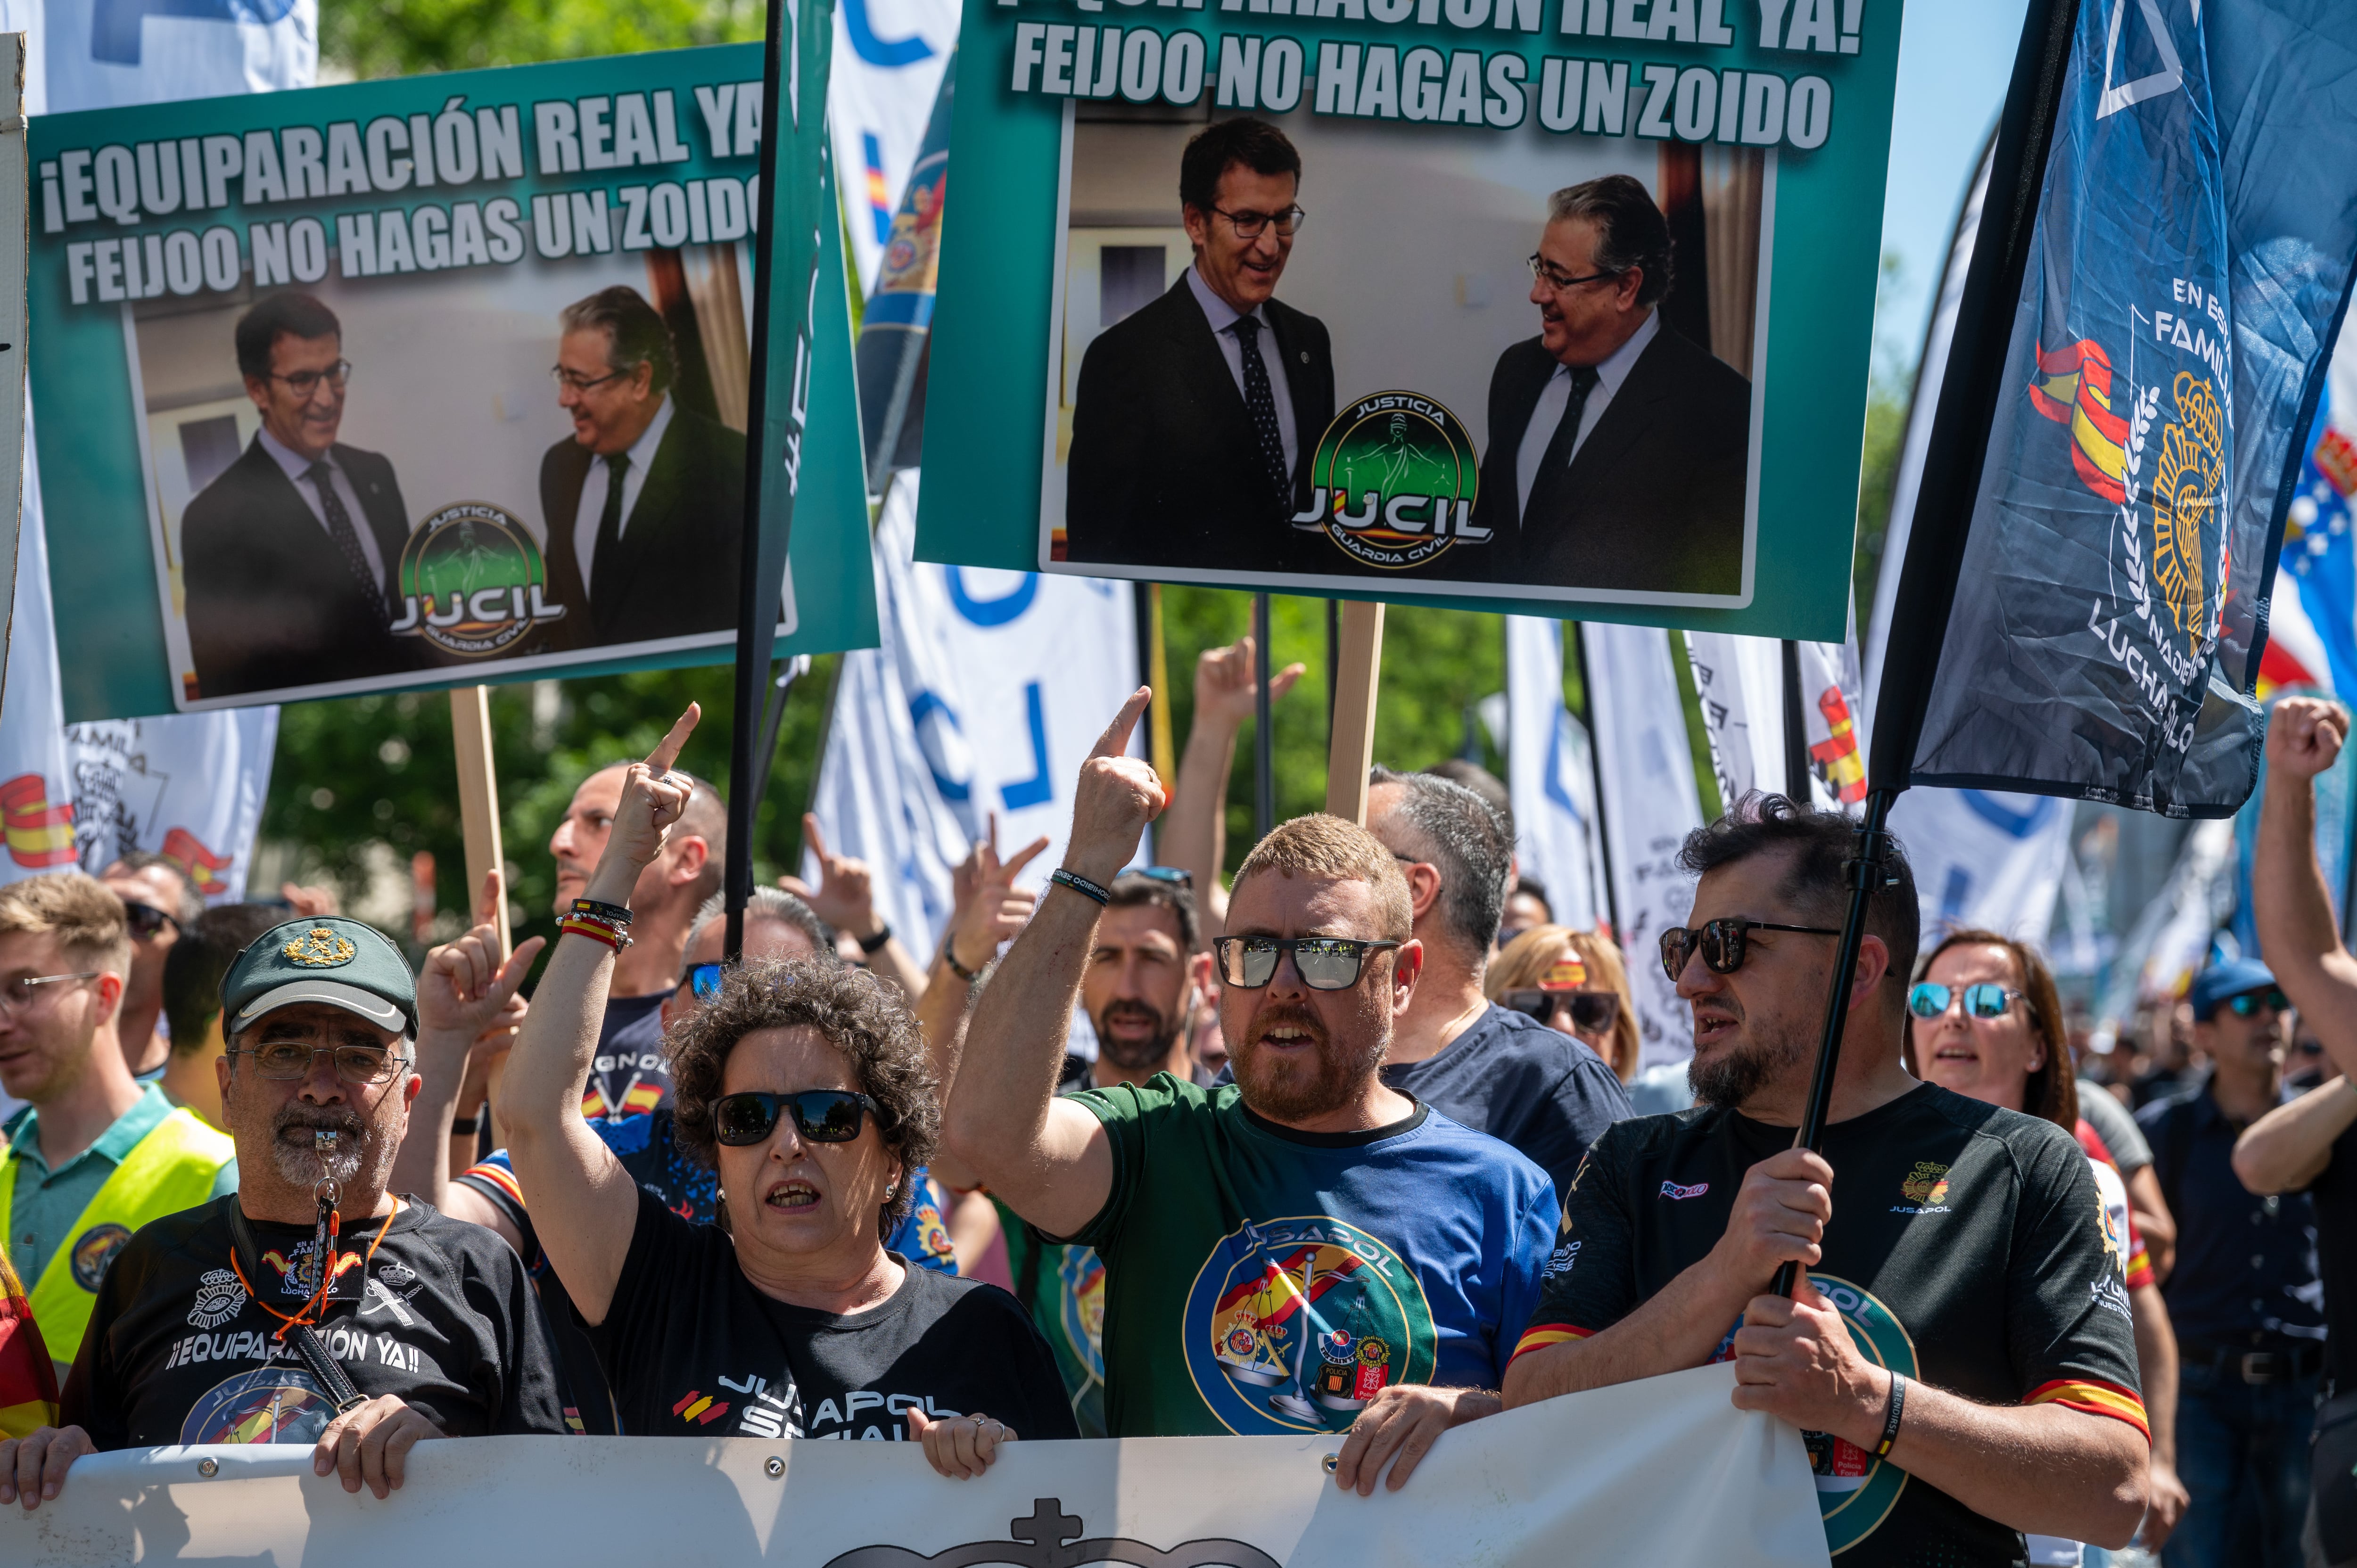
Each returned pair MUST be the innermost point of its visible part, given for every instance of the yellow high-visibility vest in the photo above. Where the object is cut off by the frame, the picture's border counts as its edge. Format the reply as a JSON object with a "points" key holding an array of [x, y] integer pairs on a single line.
{"points": [[172, 1168]]}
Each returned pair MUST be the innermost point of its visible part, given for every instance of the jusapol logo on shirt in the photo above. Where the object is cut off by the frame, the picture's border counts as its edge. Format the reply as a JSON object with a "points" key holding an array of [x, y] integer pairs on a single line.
{"points": [[1294, 1324], [1925, 1190]]}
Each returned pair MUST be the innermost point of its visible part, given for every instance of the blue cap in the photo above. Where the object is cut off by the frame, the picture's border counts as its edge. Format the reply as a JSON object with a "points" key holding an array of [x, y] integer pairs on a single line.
{"points": [[2232, 978]]}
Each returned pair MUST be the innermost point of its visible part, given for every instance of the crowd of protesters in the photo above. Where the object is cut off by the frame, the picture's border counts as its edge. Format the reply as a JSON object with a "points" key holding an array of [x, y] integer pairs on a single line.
{"points": [[1362, 1146]]}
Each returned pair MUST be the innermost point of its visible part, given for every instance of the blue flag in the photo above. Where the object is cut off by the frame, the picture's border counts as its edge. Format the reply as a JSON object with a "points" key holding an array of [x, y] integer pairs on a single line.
{"points": [[2190, 259]]}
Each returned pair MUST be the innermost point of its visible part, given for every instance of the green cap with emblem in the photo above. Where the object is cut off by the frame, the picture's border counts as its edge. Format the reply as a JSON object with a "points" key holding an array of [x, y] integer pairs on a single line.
{"points": [[331, 959]]}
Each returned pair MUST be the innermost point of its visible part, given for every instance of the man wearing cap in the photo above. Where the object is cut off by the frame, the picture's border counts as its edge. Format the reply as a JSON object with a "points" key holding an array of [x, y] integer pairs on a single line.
{"points": [[2244, 1295], [313, 1305]]}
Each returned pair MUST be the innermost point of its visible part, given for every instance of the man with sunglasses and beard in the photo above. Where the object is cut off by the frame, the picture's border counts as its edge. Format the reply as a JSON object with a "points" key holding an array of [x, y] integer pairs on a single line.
{"points": [[1958, 1351], [1307, 1250], [313, 1305]]}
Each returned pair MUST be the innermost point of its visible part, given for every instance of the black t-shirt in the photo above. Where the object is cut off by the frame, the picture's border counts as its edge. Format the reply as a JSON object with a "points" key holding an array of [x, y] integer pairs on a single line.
{"points": [[1537, 1089], [629, 1076], [2334, 1195], [1968, 1249], [693, 1351], [178, 1353]]}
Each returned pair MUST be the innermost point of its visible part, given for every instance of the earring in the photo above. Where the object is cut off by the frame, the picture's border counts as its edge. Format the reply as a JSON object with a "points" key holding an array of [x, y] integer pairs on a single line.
{"points": [[892, 1192]]}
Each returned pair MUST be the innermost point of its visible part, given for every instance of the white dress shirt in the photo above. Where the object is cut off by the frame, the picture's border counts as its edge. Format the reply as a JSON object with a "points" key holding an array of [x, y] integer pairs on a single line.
{"points": [[298, 469], [1556, 396], [593, 489], [1223, 317]]}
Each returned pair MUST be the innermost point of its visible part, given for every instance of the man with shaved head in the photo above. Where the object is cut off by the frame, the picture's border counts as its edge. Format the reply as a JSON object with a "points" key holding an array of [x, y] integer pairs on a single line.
{"points": [[1307, 1250]]}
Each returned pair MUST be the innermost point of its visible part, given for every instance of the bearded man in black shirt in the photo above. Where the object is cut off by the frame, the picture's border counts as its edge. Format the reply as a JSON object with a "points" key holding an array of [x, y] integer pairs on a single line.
{"points": [[215, 1324], [1960, 1355]]}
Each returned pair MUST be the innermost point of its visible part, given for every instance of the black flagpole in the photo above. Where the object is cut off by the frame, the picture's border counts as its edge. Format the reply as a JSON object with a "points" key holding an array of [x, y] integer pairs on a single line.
{"points": [[1797, 787], [757, 591], [1264, 742]]}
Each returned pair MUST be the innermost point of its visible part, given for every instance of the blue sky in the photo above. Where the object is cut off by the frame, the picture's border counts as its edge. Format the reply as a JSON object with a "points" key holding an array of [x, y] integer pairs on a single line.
{"points": [[1954, 57]]}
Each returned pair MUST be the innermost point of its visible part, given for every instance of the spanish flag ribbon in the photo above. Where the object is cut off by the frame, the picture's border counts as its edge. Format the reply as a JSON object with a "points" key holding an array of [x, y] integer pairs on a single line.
{"points": [[28, 1380], [39, 835], [1541, 1335], [2095, 1397], [2075, 387]]}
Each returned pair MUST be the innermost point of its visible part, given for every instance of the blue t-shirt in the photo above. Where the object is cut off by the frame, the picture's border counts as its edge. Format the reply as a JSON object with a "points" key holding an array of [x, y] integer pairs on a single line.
{"points": [[1263, 1280]]}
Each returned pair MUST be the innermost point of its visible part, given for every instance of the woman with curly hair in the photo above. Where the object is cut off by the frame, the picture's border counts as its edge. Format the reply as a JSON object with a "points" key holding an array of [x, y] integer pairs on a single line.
{"points": [[805, 1085]]}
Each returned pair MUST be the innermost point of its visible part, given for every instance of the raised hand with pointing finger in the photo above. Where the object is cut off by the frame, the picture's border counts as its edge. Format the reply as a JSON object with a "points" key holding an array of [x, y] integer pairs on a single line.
{"points": [[1117, 796]]}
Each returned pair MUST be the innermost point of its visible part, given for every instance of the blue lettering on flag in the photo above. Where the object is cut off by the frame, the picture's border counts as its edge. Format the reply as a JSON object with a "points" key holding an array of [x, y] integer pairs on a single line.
{"points": [[114, 24], [990, 612], [889, 53], [1035, 790]]}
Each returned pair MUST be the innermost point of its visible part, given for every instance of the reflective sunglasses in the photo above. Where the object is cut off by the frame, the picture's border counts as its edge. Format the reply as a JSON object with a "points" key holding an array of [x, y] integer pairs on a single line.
{"points": [[1327, 963], [702, 980], [1178, 877], [145, 919], [2250, 1002], [1985, 1000], [1594, 1010], [820, 1115], [1722, 943]]}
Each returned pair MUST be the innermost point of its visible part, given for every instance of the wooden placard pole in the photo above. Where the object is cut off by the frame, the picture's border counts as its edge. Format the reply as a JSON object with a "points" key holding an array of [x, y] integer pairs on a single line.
{"points": [[1358, 666], [478, 798]]}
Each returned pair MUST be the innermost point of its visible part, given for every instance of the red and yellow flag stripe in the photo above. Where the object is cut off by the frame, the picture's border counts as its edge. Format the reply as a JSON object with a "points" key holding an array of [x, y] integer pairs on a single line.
{"points": [[2095, 1397], [1541, 1335]]}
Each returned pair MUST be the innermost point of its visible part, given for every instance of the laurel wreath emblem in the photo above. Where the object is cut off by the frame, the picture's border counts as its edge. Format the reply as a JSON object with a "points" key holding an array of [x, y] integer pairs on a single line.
{"points": [[219, 1298], [319, 948]]}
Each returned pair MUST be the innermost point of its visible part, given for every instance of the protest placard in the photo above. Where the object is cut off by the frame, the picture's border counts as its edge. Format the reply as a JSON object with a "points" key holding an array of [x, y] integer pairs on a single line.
{"points": [[1413, 390], [435, 245]]}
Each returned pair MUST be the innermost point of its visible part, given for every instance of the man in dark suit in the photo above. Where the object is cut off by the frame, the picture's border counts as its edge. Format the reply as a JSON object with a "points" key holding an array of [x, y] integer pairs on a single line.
{"points": [[645, 504], [1194, 418], [289, 558], [1618, 449]]}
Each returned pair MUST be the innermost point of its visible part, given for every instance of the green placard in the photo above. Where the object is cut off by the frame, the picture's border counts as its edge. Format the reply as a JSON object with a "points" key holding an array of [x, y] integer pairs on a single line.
{"points": [[1073, 379], [443, 223]]}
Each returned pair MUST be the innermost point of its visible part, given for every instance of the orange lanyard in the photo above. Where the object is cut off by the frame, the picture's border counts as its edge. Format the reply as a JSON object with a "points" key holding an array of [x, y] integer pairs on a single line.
{"points": [[319, 1299]]}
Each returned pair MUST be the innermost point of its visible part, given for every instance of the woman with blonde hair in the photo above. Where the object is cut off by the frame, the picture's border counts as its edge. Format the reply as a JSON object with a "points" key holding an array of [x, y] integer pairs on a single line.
{"points": [[1574, 983]]}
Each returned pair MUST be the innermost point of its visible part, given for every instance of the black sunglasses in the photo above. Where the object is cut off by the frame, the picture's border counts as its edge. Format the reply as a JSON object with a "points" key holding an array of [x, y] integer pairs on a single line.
{"points": [[1594, 1010], [1327, 963], [1722, 944], [820, 1115], [2250, 1002], [145, 919]]}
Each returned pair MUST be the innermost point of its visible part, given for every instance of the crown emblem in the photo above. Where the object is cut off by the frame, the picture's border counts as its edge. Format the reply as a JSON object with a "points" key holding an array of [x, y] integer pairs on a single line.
{"points": [[319, 948]]}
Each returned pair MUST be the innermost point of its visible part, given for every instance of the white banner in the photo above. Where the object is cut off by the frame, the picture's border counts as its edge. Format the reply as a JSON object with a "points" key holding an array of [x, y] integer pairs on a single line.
{"points": [[1833, 721], [36, 777], [1740, 681], [889, 60], [988, 693], [1550, 775], [105, 54], [188, 787], [1985, 859], [1662, 1471], [1649, 806]]}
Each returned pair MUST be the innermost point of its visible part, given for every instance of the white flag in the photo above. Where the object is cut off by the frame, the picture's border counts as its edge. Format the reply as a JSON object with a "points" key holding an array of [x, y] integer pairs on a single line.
{"points": [[188, 787], [1551, 774], [889, 60], [1833, 721], [106, 54], [1739, 681], [1649, 806], [36, 778], [1984, 859], [988, 692]]}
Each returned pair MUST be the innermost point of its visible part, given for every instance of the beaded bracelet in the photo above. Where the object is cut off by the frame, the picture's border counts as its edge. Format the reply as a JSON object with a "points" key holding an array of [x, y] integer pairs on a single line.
{"points": [[596, 929]]}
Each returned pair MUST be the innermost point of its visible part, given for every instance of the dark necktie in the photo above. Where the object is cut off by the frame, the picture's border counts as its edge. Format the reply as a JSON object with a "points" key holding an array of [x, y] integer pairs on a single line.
{"points": [[1260, 402], [1557, 458], [609, 520], [348, 539]]}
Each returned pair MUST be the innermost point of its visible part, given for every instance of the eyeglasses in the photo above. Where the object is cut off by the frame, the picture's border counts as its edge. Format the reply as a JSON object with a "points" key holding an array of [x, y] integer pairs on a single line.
{"points": [[2248, 1003], [145, 919], [304, 383], [1175, 875], [1248, 225], [1326, 963], [820, 1115], [1555, 278], [20, 992], [1986, 1000], [702, 980], [1722, 943], [359, 1065], [1594, 1010], [574, 380]]}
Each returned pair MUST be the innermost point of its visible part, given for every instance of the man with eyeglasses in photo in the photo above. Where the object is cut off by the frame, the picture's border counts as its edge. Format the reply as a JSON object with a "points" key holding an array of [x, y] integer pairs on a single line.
{"points": [[644, 503], [159, 905], [95, 1155], [313, 1305], [1194, 418], [1306, 1250], [1958, 1351], [289, 554], [1618, 450], [2244, 1294]]}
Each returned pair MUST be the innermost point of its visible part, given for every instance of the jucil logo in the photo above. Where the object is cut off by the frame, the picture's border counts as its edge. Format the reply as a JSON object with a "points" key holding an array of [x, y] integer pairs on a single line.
{"points": [[472, 580], [1392, 482]]}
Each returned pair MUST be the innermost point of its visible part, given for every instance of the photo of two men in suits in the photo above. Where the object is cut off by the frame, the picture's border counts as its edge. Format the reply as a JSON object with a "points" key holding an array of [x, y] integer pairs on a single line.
{"points": [[1617, 453]]}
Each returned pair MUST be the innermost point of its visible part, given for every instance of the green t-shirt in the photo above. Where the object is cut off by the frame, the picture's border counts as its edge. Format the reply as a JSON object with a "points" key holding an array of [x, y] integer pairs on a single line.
{"points": [[1260, 1280], [1063, 1290]]}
